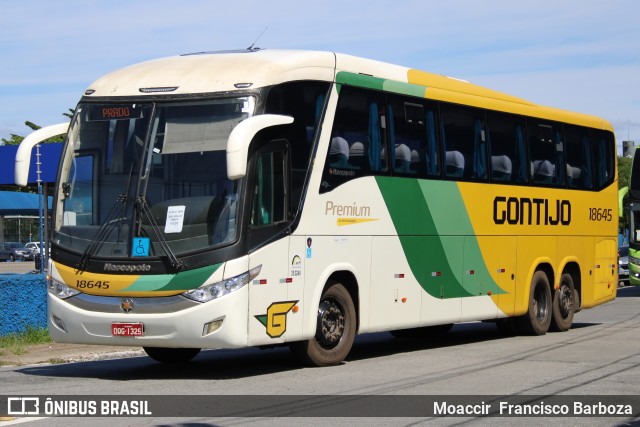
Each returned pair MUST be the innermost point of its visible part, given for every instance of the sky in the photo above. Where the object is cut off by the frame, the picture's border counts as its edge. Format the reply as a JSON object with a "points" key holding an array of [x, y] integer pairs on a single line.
{"points": [[580, 55]]}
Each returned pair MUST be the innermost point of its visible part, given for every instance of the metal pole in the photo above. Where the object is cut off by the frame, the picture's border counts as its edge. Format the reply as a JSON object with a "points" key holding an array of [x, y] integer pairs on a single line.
{"points": [[38, 172]]}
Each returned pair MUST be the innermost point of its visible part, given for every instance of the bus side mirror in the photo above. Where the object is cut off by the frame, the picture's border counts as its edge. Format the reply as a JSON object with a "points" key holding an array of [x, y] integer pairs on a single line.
{"points": [[242, 135], [23, 155]]}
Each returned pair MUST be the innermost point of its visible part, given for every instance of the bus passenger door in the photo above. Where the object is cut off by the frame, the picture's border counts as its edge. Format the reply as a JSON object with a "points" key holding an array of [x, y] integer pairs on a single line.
{"points": [[269, 305]]}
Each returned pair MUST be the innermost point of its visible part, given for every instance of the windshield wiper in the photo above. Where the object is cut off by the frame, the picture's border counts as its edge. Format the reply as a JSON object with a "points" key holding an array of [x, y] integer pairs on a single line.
{"points": [[106, 226], [143, 207], [103, 231]]}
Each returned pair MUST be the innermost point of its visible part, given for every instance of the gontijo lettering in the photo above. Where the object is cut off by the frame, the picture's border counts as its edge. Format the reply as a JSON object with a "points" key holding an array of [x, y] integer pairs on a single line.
{"points": [[526, 211]]}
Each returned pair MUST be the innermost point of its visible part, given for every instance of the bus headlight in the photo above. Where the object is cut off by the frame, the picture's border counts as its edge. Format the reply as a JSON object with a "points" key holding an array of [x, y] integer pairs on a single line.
{"points": [[634, 260], [61, 290], [210, 292]]}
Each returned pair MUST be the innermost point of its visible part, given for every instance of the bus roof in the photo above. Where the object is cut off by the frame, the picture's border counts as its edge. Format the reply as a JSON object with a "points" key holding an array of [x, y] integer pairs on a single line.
{"points": [[225, 71]]}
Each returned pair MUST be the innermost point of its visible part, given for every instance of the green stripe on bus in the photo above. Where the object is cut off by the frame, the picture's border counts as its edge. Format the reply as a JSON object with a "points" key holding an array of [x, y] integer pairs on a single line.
{"points": [[377, 83], [185, 280], [432, 225], [360, 80]]}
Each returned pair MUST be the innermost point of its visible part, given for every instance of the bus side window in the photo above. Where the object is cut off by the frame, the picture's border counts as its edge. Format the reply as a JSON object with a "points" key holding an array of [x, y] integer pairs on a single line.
{"points": [[508, 150], [412, 134], [546, 148], [269, 190], [579, 169], [357, 146], [603, 154], [464, 142], [304, 101]]}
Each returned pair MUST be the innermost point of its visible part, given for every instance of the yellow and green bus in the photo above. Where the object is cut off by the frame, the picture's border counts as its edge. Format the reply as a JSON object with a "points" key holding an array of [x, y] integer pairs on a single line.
{"points": [[631, 195], [264, 197]]}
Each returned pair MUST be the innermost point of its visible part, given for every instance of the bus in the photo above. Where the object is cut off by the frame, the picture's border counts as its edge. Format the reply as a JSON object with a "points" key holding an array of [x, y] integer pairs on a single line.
{"points": [[631, 196], [276, 197]]}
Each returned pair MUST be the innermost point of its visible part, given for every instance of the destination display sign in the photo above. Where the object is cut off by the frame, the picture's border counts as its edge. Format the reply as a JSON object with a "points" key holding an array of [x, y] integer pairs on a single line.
{"points": [[115, 112]]}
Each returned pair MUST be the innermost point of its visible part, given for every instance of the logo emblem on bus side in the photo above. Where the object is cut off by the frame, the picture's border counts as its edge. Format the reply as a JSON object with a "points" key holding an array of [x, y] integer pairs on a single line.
{"points": [[276, 318], [126, 305]]}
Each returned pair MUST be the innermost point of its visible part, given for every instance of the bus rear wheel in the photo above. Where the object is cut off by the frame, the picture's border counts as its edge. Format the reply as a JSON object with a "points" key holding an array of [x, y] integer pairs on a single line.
{"points": [[171, 355], [563, 305], [538, 317], [335, 330]]}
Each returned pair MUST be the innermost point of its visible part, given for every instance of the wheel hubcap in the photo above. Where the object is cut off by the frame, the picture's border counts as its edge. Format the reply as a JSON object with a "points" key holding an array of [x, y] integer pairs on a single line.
{"points": [[566, 300], [330, 324]]}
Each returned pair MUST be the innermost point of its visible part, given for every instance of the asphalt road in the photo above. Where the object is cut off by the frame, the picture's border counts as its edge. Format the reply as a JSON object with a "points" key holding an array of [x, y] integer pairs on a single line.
{"points": [[599, 356]]}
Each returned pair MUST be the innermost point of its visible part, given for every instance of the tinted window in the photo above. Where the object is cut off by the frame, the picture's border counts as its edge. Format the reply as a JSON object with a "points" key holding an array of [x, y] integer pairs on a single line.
{"points": [[464, 143], [412, 134], [604, 156], [579, 158], [507, 146], [358, 138], [304, 101], [546, 148]]}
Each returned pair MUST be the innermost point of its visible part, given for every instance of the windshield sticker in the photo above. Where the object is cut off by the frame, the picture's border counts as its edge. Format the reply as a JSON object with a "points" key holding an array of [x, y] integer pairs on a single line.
{"points": [[140, 246], [175, 219]]}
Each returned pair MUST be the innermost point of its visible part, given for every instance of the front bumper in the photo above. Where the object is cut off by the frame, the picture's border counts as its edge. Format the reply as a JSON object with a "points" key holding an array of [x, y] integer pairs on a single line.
{"points": [[167, 321]]}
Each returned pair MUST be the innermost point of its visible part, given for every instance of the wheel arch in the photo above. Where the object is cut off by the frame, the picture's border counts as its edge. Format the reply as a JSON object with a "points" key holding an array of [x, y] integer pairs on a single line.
{"points": [[541, 264], [343, 273], [573, 269], [348, 280]]}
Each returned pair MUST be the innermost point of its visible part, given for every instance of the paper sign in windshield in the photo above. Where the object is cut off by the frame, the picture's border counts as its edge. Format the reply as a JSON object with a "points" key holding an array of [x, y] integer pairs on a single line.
{"points": [[175, 219]]}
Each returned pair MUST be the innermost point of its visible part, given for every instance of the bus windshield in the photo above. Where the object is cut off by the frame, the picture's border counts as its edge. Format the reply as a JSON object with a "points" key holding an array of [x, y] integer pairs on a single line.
{"points": [[149, 175]]}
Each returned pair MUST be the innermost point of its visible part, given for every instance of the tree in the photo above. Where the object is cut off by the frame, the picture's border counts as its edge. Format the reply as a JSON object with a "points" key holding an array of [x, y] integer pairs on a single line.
{"points": [[624, 171], [17, 139]]}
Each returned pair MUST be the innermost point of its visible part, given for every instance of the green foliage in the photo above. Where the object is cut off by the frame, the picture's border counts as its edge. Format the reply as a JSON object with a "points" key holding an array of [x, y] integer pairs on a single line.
{"points": [[624, 171], [17, 139], [624, 178], [16, 343]]}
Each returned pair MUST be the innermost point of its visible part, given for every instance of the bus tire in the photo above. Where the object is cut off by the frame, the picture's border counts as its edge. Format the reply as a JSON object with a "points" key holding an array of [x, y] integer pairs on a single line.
{"points": [[563, 305], [171, 355], [335, 330], [538, 317]]}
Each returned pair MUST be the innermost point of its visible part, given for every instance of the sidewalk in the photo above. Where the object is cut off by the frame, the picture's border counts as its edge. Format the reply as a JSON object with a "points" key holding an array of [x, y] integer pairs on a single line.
{"points": [[66, 353]]}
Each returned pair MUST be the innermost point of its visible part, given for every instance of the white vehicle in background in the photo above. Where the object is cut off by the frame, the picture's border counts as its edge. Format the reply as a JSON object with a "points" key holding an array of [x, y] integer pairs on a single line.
{"points": [[34, 246]]}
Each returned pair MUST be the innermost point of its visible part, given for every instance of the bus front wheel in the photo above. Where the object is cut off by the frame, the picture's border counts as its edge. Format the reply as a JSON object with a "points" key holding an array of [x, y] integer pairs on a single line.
{"points": [[335, 330], [171, 355], [538, 317], [563, 305]]}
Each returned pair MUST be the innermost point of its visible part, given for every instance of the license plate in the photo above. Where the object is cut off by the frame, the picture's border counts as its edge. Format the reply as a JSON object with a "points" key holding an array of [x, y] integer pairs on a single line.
{"points": [[127, 329]]}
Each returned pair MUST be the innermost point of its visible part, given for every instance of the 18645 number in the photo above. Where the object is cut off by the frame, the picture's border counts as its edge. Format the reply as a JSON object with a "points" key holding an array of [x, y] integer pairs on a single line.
{"points": [[600, 214]]}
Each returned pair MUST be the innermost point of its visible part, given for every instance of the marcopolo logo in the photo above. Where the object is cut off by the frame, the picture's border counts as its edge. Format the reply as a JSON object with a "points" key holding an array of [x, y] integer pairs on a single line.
{"points": [[127, 268]]}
